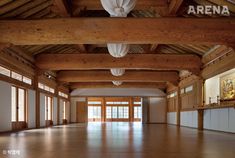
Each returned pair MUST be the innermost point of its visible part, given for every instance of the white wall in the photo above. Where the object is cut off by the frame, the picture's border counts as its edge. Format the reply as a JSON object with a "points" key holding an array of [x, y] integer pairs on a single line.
{"points": [[171, 118], [61, 111], [212, 86], [42, 110], [118, 92], [67, 112], [31, 109], [5, 106], [55, 111], [220, 119], [73, 104], [157, 110], [189, 119]]}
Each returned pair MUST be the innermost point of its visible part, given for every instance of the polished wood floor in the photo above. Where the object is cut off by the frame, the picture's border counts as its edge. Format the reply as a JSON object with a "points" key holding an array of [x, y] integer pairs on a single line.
{"points": [[118, 140]]}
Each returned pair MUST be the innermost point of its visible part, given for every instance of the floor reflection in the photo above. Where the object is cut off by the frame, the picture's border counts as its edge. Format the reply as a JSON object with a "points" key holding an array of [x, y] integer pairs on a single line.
{"points": [[118, 139]]}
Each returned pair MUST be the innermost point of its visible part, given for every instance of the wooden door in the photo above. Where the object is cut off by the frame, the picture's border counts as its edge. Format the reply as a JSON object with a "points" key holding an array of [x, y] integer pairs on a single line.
{"points": [[81, 112]]}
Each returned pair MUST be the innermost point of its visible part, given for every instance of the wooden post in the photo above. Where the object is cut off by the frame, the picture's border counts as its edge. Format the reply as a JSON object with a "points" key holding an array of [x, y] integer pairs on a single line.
{"points": [[37, 100], [178, 107], [131, 114], [200, 119]]}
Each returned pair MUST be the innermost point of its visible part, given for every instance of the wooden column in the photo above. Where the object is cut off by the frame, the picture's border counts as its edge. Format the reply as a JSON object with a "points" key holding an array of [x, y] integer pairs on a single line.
{"points": [[178, 107], [103, 110], [200, 119], [58, 108], [131, 113], [145, 110], [37, 100]]}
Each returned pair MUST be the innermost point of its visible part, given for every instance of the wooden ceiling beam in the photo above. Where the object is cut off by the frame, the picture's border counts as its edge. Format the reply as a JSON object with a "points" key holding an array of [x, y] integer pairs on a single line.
{"points": [[129, 76], [130, 61], [219, 66], [116, 30], [216, 52], [159, 85]]}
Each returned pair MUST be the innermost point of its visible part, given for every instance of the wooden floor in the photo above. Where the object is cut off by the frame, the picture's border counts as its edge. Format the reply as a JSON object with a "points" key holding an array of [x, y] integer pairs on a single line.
{"points": [[118, 140]]}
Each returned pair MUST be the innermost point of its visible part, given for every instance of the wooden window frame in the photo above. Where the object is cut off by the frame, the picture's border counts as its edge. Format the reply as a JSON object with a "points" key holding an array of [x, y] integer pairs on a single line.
{"points": [[46, 108]]}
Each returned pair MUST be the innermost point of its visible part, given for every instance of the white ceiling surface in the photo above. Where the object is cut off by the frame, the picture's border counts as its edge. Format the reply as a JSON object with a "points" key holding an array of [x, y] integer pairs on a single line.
{"points": [[118, 92]]}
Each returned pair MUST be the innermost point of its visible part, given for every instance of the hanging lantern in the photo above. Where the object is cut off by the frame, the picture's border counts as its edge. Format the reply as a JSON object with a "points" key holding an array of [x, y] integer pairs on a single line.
{"points": [[117, 72], [117, 83], [118, 8], [118, 50]]}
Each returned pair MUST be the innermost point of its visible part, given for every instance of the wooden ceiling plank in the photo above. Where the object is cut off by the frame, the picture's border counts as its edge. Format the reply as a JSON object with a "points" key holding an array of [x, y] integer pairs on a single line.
{"points": [[35, 10], [134, 31], [22, 9], [11, 6]]}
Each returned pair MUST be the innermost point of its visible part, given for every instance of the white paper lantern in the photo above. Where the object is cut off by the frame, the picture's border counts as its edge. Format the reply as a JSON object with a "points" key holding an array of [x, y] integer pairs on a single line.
{"points": [[117, 83], [118, 50], [118, 8], [117, 72]]}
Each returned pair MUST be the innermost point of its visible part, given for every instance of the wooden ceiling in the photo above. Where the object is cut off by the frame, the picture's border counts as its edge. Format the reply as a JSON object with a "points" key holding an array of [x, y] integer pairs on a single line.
{"points": [[166, 43]]}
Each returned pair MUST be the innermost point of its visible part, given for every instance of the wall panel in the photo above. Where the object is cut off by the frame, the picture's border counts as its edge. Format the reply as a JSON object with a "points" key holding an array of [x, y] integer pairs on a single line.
{"points": [[31, 109], [171, 118], [55, 110], [5, 106], [42, 110]]}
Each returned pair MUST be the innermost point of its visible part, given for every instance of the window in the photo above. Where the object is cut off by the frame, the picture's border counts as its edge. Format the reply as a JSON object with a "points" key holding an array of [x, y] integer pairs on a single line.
{"points": [[117, 112], [5, 71], [27, 80], [137, 112], [108, 112], [16, 76], [18, 104], [94, 112], [64, 110], [182, 91], [171, 95], [63, 95], [94, 102], [48, 108], [46, 88], [188, 89], [117, 103]]}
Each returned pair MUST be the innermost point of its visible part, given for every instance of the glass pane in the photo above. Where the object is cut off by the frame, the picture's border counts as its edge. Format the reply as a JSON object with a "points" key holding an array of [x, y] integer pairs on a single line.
{"points": [[108, 112], [4, 71], [49, 108], [126, 112], [90, 112], [120, 112], [21, 104], [64, 111], [114, 112], [27, 80], [46, 108], [13, 104], [16, 76]]}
